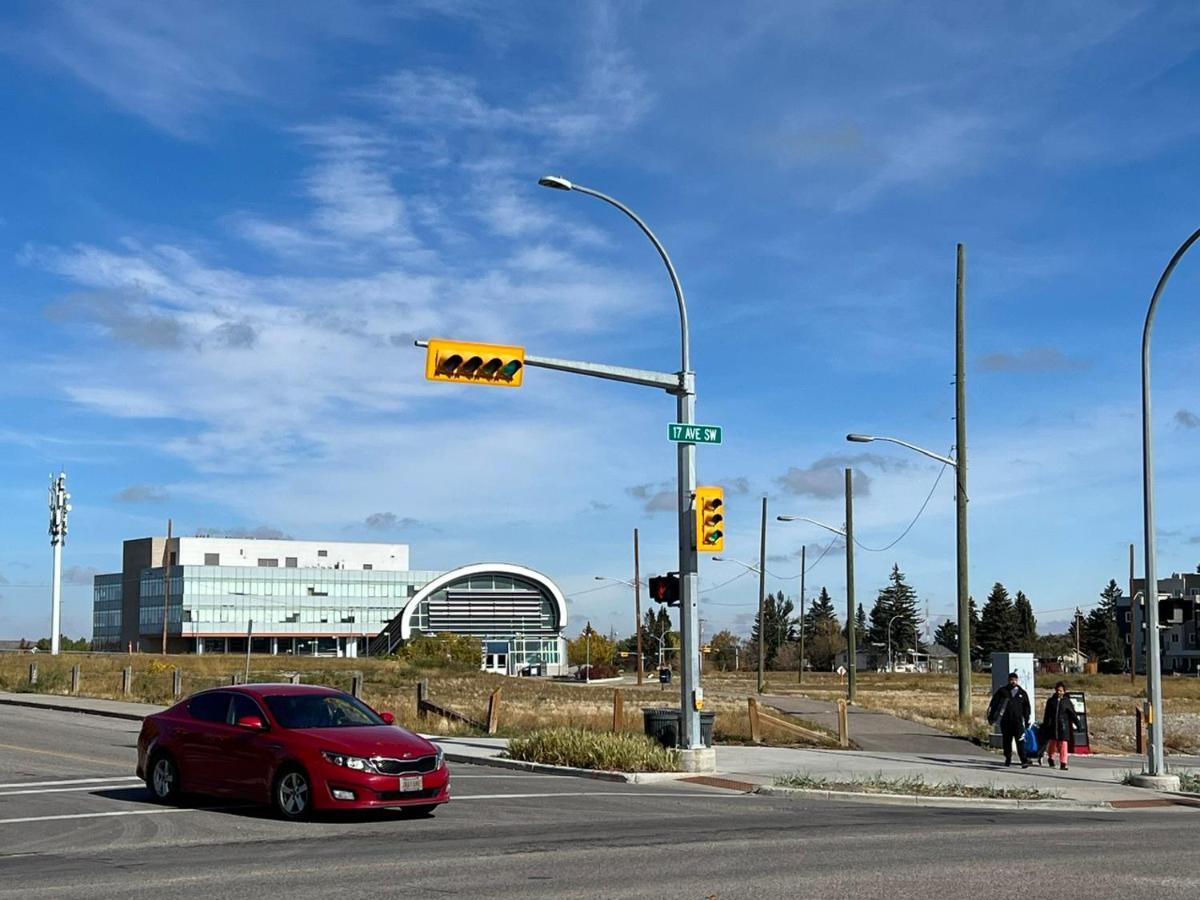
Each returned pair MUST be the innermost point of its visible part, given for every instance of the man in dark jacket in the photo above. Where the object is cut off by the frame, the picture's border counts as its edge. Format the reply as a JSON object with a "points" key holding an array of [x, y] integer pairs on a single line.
{"points": [[1011, 708]]}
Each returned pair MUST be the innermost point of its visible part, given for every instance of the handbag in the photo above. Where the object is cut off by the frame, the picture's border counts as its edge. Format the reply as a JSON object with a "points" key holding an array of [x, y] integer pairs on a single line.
{"points": [[1031, 739]]}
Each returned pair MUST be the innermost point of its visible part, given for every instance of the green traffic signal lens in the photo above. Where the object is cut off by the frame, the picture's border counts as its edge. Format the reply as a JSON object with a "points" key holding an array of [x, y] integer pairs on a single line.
{"points": [[511, 369], [713, 537], [448, 365]]}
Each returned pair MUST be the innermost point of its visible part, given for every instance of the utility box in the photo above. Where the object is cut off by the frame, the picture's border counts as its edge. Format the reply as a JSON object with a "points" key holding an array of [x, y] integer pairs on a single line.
{"points": [[1079, 742], [1022, 664]]}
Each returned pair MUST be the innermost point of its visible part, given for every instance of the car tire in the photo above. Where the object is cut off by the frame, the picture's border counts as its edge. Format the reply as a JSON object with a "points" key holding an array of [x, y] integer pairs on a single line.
{"points": [[162, 778], [292, 795]]}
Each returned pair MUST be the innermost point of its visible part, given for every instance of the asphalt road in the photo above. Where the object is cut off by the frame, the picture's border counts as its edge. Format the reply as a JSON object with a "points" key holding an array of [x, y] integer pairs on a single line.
{"points": [[519, 835]]}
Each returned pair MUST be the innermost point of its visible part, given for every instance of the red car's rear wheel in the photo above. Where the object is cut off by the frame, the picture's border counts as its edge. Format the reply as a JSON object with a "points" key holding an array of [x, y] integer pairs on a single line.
{"points": [[163, 779]]}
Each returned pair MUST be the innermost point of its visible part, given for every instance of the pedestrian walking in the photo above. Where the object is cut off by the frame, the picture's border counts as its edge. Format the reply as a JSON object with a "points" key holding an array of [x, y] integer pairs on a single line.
{"points": [[1011, 708], [1057, 722]]}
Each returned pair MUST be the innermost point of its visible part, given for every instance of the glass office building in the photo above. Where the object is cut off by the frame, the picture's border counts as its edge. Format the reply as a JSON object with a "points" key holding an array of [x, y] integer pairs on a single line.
{"points": [[325, 599]]}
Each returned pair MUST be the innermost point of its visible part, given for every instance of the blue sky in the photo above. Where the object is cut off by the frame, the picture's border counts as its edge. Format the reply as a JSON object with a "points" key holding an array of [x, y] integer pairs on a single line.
{"points": [[223, 225]]}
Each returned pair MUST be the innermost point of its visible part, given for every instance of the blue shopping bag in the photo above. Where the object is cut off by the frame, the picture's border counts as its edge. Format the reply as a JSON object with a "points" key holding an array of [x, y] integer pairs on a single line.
{"points": [[1031, 739]]}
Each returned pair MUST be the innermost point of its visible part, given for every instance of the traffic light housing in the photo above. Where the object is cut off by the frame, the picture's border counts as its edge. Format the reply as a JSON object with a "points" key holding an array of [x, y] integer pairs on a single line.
{"points": [[665, 589], [474, 363], [710, 519]]}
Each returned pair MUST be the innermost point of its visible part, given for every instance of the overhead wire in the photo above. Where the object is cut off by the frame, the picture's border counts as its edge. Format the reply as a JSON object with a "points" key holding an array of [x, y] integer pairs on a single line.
{"points": [[920, 511]]}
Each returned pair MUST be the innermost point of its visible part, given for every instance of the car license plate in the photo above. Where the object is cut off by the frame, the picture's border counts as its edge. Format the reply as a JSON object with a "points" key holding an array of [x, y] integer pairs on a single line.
{"points": [[410, 783]]}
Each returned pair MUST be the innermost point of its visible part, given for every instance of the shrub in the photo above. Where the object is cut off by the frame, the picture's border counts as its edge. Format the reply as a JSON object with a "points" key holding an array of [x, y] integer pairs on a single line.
{"points": [[597, 670], [620, 752], [456, 651]]}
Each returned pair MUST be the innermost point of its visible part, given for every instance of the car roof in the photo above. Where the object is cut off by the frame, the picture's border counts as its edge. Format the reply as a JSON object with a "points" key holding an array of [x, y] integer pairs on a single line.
{"points": [[279, 689]]}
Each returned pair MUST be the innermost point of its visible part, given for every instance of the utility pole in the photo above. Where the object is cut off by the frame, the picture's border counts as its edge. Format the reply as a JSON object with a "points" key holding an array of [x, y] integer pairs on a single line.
{"points": [[851, 642], [800, 674], [166, 585], [1134, 633], [637, 603], [762, 595], [1078, 625], [960, 488], [59, 507]]}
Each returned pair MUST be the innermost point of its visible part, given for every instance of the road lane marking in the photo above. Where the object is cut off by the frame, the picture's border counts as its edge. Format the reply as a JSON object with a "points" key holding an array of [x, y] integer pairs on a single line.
{"points": [[591, 794], [32, 784], [99, 815], [75, 756], [63, 790]]}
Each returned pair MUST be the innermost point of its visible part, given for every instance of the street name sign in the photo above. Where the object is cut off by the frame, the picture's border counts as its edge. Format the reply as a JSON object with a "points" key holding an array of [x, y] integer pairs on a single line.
{"points": [[694, 434]]}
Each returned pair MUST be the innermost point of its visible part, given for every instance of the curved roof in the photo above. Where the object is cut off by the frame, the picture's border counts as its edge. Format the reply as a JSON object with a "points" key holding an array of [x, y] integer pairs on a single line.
{"points": [[449, 578]]}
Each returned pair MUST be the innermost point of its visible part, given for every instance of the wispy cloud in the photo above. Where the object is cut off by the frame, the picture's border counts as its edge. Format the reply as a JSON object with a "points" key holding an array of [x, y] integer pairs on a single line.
{"points": [[141, 493], [1187, 419], [389, 521], [1040, 360], [825, 479]]}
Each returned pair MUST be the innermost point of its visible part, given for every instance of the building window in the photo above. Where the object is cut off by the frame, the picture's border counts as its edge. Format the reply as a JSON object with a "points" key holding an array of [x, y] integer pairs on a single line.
{"points": [[368, 567], [268, 563], [322, 553], [212, 559], [290, 562]]}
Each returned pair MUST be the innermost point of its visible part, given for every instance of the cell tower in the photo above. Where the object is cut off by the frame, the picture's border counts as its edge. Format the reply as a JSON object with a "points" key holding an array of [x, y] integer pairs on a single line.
{"points": [[59, 507]]}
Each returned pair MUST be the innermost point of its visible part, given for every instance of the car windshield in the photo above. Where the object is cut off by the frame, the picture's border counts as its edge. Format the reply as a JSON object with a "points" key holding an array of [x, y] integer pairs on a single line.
{"points": [[320, 711]]}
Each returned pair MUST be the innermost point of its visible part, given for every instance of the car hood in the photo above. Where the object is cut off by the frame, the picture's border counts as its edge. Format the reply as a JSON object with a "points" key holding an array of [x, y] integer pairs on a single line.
{"points": [[369, 740]]}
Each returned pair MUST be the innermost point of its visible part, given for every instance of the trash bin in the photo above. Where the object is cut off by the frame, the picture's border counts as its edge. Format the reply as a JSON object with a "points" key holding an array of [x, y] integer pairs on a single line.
{"points": [[664, 675], [664, 725]]}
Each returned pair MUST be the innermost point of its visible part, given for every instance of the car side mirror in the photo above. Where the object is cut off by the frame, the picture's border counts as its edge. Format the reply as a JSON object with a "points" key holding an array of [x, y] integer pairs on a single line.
{"points": [[252, 723], [388, 718]]}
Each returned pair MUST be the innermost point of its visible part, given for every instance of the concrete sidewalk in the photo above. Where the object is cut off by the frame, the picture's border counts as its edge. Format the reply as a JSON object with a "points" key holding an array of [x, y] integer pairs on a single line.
{"points": [[874, 730], [1090, 779]]}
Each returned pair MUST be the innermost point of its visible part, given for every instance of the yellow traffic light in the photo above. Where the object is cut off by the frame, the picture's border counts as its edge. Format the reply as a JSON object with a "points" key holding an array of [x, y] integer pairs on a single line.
{"points": [[474, 363], [710, 519]]}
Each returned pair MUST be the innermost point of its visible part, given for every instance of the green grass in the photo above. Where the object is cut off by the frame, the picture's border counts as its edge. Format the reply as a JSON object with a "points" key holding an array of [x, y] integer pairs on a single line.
{"points": [[605, 751], [913, 786]]}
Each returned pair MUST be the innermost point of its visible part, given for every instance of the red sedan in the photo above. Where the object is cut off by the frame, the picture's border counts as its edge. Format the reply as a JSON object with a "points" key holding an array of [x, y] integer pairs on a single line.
{"points": [[298, 747]]}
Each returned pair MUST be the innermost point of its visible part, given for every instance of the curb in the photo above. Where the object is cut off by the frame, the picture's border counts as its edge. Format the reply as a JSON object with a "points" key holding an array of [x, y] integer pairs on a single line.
{"points": [[942, 802], [547, 769], [85, 710]]}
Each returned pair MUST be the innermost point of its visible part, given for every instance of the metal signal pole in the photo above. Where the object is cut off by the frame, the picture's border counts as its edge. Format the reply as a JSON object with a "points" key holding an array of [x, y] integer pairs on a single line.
{"points": [[637, 603], [166, 585], [762, 591], [803, 549]]}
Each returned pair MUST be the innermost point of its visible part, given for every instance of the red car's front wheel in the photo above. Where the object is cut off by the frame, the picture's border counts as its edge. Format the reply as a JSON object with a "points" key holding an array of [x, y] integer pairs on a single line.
{"points": [[292, 796]]}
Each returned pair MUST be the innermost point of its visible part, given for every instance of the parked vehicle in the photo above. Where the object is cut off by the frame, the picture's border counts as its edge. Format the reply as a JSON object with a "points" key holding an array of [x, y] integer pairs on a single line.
{"points": [[300, 748]]}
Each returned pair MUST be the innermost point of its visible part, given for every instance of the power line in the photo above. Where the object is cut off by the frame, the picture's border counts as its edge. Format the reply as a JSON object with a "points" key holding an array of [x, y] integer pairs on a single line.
{"points": [[905, 532]]}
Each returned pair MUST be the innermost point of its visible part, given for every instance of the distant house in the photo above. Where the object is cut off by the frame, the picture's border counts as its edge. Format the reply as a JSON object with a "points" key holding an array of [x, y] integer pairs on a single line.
{"points": [[942, 659], [865, 660], [1072, 661]]}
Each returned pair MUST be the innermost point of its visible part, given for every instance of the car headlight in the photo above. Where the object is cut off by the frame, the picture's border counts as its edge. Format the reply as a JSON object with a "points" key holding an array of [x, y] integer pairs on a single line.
{"points": [[441, 758], [357, 763]]}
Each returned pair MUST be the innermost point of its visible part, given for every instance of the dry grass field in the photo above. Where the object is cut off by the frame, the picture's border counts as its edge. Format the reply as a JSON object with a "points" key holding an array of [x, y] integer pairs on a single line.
{"points": [[525, 703], [933, 700]]}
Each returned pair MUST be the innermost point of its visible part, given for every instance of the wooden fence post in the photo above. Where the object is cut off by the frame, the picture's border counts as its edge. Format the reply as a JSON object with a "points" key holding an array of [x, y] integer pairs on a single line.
{"points": [[177, 684], [1137, 730], [755, 727], [294, 678], [843, 724], [127, 680], [422, 696], [33, 673], [618, 711], [356, 685], [493, 717], [76, 673]]}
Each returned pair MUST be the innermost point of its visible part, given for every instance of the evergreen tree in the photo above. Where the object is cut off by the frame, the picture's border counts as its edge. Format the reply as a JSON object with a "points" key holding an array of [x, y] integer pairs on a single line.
{"points": [[898, 599], [820, 612], [1101, 637], [777, 626], [1025, 633], [860, 626], [973, 613], [997, 625], [947, 635]]}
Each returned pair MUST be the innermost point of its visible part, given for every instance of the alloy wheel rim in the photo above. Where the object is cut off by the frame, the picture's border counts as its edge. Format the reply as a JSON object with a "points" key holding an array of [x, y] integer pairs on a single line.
{"points": [[293, 793], [164, 778]]}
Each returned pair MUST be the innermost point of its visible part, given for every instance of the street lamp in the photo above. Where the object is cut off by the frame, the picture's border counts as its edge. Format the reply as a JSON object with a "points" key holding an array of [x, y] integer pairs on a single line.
{"points": [[848, 534], [762, 621], [891, 665], [637, 616], [1154, 756], [959, 464], [685, 394]]}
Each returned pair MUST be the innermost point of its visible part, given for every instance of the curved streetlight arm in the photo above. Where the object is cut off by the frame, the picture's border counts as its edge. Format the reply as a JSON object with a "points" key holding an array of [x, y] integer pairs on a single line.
{"points": [[553, 181], [1154, 756], [868, 438], [744, 565], [617, 580], [840, 531]]}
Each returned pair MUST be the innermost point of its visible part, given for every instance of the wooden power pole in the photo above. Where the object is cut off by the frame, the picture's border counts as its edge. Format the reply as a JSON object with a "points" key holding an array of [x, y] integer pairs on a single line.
{"points": [[637, 602]]}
